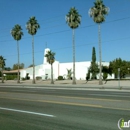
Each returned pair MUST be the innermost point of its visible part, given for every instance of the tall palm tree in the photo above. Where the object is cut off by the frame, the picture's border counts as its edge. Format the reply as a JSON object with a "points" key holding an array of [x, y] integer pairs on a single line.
{"points": [[32, 27], [17, 34], [73, 20], [51, 59], [2, 65], [98, 12]]}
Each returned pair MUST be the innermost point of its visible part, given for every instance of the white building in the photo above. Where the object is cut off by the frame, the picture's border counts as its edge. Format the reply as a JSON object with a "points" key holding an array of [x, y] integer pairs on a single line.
{"points": [[59, 69]]}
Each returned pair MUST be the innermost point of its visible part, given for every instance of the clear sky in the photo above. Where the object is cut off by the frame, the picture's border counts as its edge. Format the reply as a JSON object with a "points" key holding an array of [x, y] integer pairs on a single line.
{"points": [[54, 31]]}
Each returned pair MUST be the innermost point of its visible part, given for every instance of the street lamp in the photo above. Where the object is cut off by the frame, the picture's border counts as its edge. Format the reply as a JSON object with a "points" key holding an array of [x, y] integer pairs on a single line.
{"points": [[119, 77]]}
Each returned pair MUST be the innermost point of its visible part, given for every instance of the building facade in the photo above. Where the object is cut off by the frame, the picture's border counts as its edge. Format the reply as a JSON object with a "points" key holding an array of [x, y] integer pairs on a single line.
{"points": [[59, 69]]}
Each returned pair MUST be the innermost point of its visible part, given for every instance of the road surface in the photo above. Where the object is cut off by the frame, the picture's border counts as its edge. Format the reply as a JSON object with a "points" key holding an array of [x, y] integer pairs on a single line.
{"points": [[59, 109]]}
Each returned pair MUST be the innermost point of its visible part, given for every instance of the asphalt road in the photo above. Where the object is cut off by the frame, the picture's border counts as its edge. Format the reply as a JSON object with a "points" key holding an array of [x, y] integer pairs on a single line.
{"points": [[57, 109]]}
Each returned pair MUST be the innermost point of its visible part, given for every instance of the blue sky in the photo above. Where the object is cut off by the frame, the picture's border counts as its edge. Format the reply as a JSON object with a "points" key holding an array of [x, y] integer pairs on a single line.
{"points": [[54, 31]]}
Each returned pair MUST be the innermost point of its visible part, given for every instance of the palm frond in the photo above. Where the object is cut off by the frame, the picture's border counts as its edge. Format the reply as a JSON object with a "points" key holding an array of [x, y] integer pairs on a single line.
{"points": [[50, 57], [98, 11], [16, 32], [73, 18], [32, 26]]}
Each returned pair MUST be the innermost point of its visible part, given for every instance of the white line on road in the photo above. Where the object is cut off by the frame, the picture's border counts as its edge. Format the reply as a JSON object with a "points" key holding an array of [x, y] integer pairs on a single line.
{"points": [[22, 91], [119, 93], [29, 112], [107, 95]]}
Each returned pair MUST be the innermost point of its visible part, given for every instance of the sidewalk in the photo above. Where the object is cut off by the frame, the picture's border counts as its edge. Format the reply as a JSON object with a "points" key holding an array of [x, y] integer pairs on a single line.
{"points": [[94, 84]]}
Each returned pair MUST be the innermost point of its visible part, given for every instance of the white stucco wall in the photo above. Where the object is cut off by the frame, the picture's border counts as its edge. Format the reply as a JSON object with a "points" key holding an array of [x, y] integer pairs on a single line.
{"points": [[38, 71], [81, 68], [55, 69], [22, 73], [60, 69], [42, 70], [47, 70]]}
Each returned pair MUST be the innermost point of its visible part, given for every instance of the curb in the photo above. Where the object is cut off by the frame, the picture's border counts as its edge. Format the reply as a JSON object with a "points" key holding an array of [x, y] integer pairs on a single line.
{"points": [[69, 87]]}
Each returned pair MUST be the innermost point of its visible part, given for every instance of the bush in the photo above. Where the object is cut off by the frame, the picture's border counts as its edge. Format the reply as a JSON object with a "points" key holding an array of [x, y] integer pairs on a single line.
{"points": [[60, 77], [88, 75], [11, 77], [105, 76], [27, 76], [23, 78], [38, 78]]}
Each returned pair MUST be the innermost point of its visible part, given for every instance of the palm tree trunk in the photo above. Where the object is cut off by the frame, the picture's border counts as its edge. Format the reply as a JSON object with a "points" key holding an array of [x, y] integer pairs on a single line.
{"points": [[18, 81], [73, 44], [33, 81], [52, 82], [100, 55]]}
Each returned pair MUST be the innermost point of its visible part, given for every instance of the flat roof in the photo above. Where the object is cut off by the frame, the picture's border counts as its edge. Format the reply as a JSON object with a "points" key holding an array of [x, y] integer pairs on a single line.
{"points": [[10, 72]]}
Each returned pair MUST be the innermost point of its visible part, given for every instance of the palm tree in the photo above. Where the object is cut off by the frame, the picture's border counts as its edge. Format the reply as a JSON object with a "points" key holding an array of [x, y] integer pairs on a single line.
{"points": [[2, 65], [51, 59], [73, 20], [32, 27], [17, 33], [98, 12]]}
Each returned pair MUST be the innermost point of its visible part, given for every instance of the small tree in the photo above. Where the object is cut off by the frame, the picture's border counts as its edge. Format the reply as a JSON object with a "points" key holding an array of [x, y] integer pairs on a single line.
{"points": [[15, 66], [94, 66], [119, 63], [7, 68], [69, 73], [30, 66]]}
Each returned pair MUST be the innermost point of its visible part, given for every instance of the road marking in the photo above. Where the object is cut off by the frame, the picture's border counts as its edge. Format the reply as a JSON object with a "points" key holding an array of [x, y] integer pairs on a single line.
{"points": [[119, 93], [69, 103], [84, 105], [81, 98], [22, 91], [107, 95], [123, 109], [3, 92], [28, 112], [55, 102]]}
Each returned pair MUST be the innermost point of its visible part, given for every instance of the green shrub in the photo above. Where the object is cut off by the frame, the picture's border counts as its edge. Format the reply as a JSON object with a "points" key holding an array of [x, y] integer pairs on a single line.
{"points": [[23, 78], [87, 76], [60, 77], [11, 77], [27, 76], [105, 76], [38, 78]]}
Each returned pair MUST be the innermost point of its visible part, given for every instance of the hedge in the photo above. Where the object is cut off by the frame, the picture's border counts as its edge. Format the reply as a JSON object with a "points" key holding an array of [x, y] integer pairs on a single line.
{"points": [[11, 77], [60, 77]]}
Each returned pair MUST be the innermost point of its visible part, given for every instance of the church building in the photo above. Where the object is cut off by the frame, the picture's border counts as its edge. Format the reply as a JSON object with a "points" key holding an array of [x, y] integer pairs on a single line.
{"points": [[59, 69]]}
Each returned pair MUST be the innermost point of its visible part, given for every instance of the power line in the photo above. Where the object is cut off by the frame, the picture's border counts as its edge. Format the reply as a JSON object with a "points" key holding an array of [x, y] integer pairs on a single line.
{"points": [[69, 30], [79, 45], [62, 24]]}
